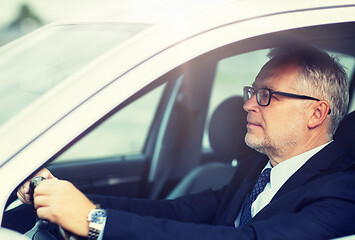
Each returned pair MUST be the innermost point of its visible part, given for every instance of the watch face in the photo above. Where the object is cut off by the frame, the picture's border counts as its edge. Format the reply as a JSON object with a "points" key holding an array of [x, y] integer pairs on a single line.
{"points": [[98, 216]]}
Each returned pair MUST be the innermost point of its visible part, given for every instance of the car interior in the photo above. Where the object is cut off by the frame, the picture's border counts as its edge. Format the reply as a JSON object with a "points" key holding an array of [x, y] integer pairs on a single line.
{"points": [[226, 133], [193, 134]]}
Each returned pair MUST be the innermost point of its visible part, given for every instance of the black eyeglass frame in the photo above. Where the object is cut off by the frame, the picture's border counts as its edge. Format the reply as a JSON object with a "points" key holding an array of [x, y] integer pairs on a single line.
{"points": [[246, 90]]}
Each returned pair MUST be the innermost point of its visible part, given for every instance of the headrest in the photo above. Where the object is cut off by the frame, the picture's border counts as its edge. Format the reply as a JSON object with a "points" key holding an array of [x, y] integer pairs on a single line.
{"points": [[227, 129], [346, 132]]}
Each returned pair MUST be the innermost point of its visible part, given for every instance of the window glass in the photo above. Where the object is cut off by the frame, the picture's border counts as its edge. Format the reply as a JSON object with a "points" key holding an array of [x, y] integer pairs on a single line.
{"points": [[122, 134], [348, 63]]}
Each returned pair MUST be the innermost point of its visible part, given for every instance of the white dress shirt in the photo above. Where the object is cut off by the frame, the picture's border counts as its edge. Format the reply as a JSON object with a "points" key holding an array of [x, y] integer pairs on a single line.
{"points": [[278, 176]]}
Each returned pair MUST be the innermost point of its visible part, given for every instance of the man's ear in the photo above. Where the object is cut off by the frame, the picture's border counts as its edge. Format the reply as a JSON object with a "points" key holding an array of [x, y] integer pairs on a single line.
{"points": [[319, 111]]}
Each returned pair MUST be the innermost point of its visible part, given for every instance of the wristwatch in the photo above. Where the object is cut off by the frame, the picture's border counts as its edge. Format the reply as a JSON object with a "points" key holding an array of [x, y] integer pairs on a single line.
{"points": [[96, 219]]}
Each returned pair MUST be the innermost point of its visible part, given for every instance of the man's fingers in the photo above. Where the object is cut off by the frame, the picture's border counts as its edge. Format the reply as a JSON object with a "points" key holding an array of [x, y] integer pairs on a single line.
{"points": [[46, 209], [41, 201], [47, 214], [23, 198], [47, 187], [23, 193], [24, 190], [25, 187]]}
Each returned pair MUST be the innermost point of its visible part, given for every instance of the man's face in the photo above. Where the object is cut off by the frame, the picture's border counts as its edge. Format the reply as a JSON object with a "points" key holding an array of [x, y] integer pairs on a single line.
{"points": [[276, 129]]}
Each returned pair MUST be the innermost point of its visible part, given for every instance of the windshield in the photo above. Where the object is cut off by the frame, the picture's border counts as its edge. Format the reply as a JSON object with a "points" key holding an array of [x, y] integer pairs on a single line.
{"points": [[36, 64]]}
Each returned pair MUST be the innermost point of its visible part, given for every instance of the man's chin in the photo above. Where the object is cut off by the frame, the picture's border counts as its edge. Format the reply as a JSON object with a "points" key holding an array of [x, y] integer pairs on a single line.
{"points": [[255, 143]]}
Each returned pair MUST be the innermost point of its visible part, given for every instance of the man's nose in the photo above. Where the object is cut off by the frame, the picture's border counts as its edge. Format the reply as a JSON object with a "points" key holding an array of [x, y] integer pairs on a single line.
{"points": [[251, 104]]}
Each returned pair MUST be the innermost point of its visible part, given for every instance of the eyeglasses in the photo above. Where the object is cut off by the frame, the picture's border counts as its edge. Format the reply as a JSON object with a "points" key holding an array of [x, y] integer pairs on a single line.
{"points": [[263, 95]]}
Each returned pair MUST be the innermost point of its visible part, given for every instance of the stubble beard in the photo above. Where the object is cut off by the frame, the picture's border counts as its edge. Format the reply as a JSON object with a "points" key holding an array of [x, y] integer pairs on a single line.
{"points": [[275, 146], [259, 144]]}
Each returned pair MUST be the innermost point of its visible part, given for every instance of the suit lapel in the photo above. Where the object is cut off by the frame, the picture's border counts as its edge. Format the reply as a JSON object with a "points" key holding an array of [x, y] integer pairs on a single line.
{"points": [[238, 189], [322, 162]]}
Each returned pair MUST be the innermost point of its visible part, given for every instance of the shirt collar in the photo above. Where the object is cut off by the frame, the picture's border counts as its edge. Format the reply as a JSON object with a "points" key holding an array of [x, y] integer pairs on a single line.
{"points": [[284, 170]]}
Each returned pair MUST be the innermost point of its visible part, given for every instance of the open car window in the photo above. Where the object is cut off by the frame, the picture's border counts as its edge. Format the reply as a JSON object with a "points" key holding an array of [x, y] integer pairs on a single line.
{"points": [[122, 134]]}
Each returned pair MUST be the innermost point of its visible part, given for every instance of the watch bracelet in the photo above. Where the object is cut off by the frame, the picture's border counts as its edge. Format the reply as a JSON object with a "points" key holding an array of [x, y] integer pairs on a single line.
{"points": [[93, 233]]}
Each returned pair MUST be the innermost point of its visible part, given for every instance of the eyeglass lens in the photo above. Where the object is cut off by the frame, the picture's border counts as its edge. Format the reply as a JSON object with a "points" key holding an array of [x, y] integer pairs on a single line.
{"points": [[262, 95]]}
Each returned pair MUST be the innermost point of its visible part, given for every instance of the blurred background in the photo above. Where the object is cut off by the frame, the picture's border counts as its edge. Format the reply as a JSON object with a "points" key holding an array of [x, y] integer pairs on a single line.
{"points": [[18, 17]]}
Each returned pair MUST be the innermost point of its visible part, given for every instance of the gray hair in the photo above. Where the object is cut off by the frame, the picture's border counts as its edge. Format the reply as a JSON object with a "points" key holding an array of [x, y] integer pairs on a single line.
{"points": [[321, 76]]}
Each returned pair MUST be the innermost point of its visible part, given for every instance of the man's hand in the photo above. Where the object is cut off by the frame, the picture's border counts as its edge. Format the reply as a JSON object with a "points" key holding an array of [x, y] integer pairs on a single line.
{"points": [[23, 193], [61, 203]]}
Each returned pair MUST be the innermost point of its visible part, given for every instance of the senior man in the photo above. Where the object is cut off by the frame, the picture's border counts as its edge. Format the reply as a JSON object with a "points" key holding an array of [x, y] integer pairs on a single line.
{"points": [[303, 187]]}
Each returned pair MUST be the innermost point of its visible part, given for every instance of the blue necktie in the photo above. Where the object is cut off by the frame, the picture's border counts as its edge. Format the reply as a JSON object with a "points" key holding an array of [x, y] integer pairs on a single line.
{"points": [[263, 179]]}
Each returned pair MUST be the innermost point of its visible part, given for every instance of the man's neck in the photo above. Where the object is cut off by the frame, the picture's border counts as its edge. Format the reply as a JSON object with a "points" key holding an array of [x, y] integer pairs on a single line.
{"points": [[277, 158]]}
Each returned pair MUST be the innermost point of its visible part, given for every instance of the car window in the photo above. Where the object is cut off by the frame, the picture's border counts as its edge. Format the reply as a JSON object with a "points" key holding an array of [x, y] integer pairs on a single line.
{"points": [[349, 65], [233, 73], [122, 134]]}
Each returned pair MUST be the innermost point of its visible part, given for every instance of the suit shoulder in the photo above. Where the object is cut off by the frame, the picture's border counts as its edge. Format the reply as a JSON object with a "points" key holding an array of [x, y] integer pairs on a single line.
{"points": [[340, 185]]}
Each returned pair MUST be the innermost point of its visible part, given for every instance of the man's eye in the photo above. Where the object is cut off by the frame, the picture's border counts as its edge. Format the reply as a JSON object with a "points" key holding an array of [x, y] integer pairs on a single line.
{"points": [[265, 95]]}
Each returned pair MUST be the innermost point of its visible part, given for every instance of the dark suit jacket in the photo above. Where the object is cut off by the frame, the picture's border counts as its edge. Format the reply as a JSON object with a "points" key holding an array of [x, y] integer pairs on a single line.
{"points": [[317, 202]]}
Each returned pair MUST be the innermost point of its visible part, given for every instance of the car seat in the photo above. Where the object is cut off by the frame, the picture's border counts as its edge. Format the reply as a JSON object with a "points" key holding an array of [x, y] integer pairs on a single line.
{"points": [[227, 129], [346, 132]]}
